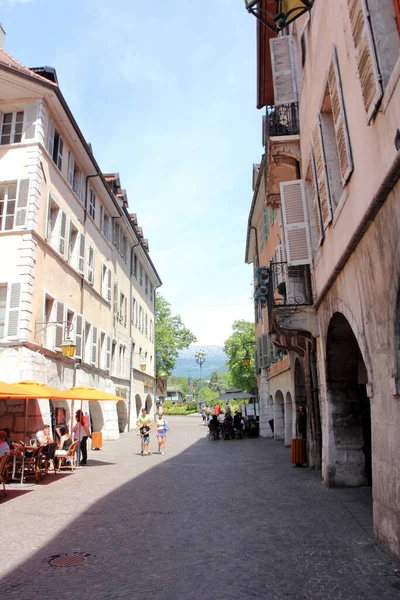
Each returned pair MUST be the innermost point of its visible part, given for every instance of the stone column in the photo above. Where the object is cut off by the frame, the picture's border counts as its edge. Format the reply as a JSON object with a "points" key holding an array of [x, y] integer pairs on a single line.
{"points": [[266, 410]]}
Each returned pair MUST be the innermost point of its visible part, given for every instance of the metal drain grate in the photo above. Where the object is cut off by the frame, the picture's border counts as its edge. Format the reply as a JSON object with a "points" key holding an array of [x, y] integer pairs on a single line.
{"points": [[68, 560]]}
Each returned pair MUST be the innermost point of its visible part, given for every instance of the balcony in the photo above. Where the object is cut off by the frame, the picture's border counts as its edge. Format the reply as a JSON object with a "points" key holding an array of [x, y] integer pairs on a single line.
{"points": [[290, 300], [282, 120]]}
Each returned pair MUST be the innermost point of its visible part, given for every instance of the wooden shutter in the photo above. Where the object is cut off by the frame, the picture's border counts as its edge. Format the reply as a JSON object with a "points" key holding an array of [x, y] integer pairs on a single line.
{"points": [[13, 309], [50, 137], [71, 169], [321, 173], [22, 203], [59, 327], [63, 233], [78, 336], [109, 284], [108, 352], [298, 250], [367, 64], [316, 200], [283, 73], [265, 350], [30, 116], [94, 346], [81, 257], [339, 119]]}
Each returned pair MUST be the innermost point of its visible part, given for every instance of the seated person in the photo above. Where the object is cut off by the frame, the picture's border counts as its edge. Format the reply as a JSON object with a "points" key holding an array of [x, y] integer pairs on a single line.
{"points": [[221, 418], [4, 447], [65, 442], [213, 426], [43, 437], [236, 420]]}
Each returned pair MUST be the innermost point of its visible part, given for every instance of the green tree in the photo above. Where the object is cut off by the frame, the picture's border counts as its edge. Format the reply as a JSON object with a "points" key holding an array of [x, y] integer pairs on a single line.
{"points": [[171, 336], [217, 383], [240, 343]]}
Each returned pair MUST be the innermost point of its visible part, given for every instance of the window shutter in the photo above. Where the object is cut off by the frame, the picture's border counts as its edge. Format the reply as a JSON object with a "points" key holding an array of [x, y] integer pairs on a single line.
{"points": [[30, 116], [22, 203], [316, 200], [297, 239], [116, 298], [108, 352], [71, 167], [283, 70], [367, 64], [90, 264], [125, 310], [78, 336], [63, 232], [265, 351], [101, 219], [109, 284], [339, 118], [94, 346], [321, 173], [114, 232], [81, 257], [50, 137], [58, 339], [60, 152], [14, 305]]}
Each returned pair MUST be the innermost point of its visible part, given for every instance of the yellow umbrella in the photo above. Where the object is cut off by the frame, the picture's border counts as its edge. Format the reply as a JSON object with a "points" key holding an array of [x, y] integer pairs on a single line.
{"points": [[83, 392], [11, 390], [33, 389]]}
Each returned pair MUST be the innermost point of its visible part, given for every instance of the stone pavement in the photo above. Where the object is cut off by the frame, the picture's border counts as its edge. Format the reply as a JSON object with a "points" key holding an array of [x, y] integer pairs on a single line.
{"points": [[226, 520]]}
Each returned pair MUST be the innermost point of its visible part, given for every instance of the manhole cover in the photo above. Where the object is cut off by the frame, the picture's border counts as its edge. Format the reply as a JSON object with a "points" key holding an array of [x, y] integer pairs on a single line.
{"points": [[71, 560]]}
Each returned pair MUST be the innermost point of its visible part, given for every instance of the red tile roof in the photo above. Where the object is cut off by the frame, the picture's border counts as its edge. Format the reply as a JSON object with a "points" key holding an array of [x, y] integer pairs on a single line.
{"points": [[10, 61]]}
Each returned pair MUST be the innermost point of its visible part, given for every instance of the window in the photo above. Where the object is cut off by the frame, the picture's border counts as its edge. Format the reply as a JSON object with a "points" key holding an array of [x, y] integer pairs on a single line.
{"points": [[14, 205], [133, 310], [11, 130], [146, 284], [106, 283], [102, 364], [140, 319], [92, 204], [72, 244], [59, 327], [55, 145], [151, 291], [146, 325], [90, 266], [133, 263], [87, 343], [56, 229], [47, 339], [81, 255], [114, 357], [124, 249], [3, 305], [123, 309], [75, 177], [104, 223], [116, 293], [267, 220], [121, 361], [78, 328], [141, 274], [151, 330], [93, 356]]}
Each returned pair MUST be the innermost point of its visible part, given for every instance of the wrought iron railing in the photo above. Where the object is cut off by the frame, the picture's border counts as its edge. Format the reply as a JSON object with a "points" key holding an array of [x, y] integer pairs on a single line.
{"points": [[283, 120], [289, 286]]}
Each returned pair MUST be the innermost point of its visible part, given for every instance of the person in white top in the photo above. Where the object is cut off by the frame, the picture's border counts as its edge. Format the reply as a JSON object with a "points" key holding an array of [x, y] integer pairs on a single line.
{"points": [[4, 447], [161, 432]]}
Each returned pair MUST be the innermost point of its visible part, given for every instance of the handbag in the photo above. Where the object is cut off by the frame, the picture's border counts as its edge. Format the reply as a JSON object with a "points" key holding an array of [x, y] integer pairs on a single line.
{"points": [[167, 427]]}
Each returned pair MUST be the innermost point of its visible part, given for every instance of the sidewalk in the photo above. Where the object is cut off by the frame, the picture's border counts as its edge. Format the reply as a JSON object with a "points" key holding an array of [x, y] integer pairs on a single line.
{"points": [[209, 520]]}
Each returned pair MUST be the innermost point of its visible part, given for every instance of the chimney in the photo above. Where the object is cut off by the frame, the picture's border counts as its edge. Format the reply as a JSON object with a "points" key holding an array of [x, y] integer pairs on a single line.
{"points": [[2, 37]]}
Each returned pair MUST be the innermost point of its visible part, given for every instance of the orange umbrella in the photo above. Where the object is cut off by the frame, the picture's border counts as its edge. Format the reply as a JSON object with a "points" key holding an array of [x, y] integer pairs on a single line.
{"points": [[11, 390], [33, 389], [83, 392]]}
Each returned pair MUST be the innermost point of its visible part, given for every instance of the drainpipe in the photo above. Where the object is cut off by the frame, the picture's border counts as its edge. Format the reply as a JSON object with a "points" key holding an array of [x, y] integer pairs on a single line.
{"points": [[77, 366], [131, 358], [154, 341]]}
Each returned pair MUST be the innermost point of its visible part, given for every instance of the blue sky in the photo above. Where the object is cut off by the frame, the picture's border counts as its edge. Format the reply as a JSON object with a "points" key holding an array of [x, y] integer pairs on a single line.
{"points": [[165, 93]]}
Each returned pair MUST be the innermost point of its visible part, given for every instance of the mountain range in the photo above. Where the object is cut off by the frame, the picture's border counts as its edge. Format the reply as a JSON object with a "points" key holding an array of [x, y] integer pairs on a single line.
{"points": [[186, 365]]}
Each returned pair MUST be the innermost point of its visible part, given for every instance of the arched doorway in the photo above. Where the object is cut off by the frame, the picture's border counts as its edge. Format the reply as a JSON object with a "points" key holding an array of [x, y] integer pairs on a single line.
{"points": [[350, 451], [149, 403], [96, 416], [288, 419], [138, 402], [60, 416], [122, 413], [279, 419]]}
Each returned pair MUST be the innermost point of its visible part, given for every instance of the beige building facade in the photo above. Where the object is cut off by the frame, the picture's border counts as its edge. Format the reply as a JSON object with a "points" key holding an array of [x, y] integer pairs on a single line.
{"points": [[75, 264], [332, 162]]}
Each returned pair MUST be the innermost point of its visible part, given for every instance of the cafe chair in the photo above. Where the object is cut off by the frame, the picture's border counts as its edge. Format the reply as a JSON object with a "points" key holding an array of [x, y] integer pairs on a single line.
{"points": [[47, 457], [69, 460], [3, 471]]}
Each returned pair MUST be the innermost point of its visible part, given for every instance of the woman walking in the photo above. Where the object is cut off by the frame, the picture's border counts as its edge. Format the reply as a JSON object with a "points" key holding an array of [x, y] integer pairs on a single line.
{"points": [[161, 432]]}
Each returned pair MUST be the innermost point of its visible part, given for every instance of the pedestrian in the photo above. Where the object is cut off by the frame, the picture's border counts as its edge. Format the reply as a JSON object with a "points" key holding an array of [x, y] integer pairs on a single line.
{"points": [[227, 408], [208, 412], [80, 433], [161, 433], [144, 424], [302, 422], [217, 409], [204, 414]]}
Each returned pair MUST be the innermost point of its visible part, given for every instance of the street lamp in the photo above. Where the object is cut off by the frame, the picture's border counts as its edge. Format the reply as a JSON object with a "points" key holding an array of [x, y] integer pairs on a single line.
{"points": [[142, 363], [246, 357], [68, 346], [200, 357], [280, 13]]}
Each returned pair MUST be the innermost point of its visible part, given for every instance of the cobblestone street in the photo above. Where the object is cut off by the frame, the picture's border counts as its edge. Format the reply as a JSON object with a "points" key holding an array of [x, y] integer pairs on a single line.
{"points": [[208, 520]]}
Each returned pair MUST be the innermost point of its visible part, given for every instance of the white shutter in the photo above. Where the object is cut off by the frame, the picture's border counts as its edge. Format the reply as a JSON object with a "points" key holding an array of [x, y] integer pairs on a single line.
{"points": [[297, 238], [109, 284], [339, 119], [316, 200], [81, 257], [125, 310], [103, 279], [22, 203], [116, 298], [94, 346], [50, 137], [30, 116], [90, 264], [283, 73], [71, 169], [367, 64], [79, 336], [59, 328], [60, 152], [108, 352], [13, 309], [102, 219], [321, 173], [265, 351], [63, 232]]}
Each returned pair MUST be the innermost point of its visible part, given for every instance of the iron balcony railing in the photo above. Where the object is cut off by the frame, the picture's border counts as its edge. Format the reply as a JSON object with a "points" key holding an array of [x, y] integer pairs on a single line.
{"points": [[289, 286], [282, 120]]}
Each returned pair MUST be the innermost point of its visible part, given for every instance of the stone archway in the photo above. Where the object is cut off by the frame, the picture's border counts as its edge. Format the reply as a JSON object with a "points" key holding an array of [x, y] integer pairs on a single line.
{"points": [[96, 416], [149, 403], [122, 413], [279, 416], [288, 419], [350, 450], [138, 402]]}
